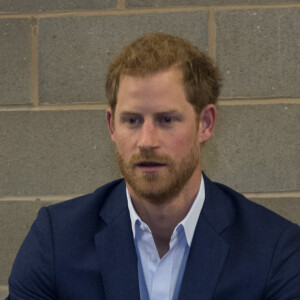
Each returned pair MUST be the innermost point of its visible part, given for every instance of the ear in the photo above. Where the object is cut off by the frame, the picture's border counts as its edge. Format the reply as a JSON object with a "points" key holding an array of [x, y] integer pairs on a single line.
{"points": [[110, 123], [207, 123]]}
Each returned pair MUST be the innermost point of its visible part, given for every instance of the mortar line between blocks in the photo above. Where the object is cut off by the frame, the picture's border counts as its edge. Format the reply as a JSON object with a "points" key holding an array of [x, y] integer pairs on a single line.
{"points": [[34, 62], [263, 6], [3, 287], [6, 15], [87, 13], [83, 107], [103, 107], [55, 198], [212, 34], [241, 102], [277, 195], [59, 198]]}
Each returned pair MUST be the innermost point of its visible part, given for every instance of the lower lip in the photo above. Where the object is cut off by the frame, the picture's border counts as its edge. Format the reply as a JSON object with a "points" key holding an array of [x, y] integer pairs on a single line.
{"points": [[150, 169]]}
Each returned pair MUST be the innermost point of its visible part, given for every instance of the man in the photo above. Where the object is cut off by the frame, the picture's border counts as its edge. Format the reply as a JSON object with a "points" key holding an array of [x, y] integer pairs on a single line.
{"points": [[166, 231]]}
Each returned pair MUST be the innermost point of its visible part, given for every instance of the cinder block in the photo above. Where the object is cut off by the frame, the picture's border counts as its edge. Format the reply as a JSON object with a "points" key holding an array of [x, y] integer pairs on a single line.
{"points": [[288, 208], [16, 218], [258, 52], [15, 61], [75, 51], [255, 148], [54, 152], [3, 292], [164, 3], [54, 5]]}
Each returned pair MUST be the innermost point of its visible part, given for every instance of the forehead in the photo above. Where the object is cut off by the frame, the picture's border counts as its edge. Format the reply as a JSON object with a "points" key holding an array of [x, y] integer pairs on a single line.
{"points": [[161, 89], [172, 75]]}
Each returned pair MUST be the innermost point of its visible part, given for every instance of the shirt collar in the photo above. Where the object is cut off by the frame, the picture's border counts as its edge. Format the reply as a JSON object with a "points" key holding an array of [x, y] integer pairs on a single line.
{"points": [[189, 222], [133, 215]]}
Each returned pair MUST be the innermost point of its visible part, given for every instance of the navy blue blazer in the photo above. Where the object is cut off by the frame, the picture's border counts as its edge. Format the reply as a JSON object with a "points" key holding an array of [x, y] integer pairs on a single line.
{"points": [[84, 249]]}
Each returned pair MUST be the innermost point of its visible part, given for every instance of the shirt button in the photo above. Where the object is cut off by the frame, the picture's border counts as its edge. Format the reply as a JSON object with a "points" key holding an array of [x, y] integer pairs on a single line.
{"points": [[142, 227], [153, 258]]}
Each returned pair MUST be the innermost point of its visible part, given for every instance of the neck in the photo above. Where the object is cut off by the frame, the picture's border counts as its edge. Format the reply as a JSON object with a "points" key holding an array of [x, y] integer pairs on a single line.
{"points": [[162, 218]]}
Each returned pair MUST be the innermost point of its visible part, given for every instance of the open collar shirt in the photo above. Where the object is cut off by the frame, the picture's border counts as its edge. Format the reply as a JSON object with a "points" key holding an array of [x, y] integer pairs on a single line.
{"points": [[160, 278]]}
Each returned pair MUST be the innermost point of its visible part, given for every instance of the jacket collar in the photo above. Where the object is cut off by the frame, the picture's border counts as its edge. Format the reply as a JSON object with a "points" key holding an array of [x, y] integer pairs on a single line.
{"points": [[117, 255], [115, 248], [208, 251]]}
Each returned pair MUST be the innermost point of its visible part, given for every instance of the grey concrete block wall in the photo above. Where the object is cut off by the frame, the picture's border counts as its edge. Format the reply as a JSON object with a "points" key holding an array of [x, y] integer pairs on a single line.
{"points": [[3, 292], [254, 51], [15, 61], [171, 3], [54, 152], [255, 149], [54, 143], [73, 62], [54, 5]]}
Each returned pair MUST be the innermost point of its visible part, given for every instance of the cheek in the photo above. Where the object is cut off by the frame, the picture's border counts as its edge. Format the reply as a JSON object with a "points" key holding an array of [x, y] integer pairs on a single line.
{"points": [[181, 144], [124, 144]]}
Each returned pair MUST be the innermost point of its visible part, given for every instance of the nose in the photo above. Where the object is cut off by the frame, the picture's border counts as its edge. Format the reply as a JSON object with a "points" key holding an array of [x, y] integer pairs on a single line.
{"points": [[148, 138]]}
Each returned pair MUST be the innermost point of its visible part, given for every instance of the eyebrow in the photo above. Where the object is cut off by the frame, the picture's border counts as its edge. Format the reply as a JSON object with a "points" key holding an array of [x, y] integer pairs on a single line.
{"points": [[168, 112], [127, 113], [172, 112]]}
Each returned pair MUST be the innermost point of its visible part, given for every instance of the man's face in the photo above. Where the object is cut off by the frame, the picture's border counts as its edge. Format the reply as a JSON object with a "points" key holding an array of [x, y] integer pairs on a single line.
{"points": [[156, 134]]}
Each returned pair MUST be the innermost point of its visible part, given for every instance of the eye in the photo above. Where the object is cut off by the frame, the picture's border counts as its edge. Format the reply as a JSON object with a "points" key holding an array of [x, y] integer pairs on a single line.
{"points": [[132, 121], [167, 119]]}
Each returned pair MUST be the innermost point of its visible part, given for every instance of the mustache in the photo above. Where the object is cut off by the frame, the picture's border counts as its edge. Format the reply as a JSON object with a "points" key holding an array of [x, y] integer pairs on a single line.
{"points": [[150, 157]]}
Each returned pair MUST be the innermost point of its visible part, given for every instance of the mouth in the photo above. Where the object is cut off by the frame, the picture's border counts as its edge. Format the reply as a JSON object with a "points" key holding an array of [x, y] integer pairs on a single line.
{"points": [[149, 166]]}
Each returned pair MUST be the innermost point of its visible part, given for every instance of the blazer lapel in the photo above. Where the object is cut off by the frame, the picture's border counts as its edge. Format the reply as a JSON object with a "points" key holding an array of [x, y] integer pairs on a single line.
{"points": [[206, 258], [208, 250], [115, 248]]}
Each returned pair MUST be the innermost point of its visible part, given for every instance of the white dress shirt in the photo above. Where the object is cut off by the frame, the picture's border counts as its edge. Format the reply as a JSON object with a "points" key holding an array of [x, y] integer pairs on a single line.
{"points": [[161, 274]]}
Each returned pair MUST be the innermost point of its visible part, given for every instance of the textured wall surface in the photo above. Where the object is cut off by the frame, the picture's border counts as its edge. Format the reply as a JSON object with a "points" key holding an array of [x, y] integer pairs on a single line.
{"points": [[54, 143]]}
